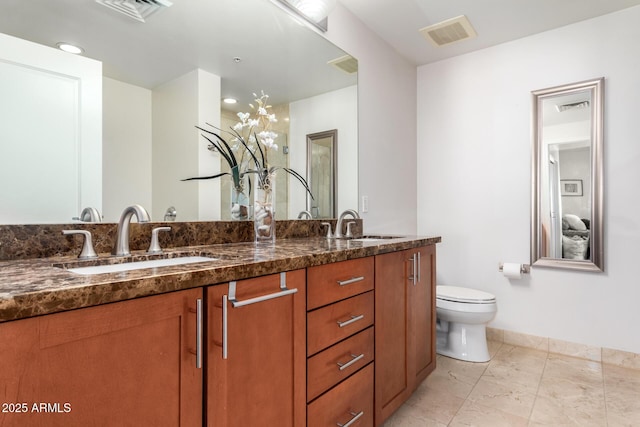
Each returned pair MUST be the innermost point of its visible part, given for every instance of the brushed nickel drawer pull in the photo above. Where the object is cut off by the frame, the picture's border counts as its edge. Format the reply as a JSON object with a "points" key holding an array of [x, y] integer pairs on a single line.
{"points": [[284, 292], [350, 281], [352, 420], [353, 360], [350, 321]]}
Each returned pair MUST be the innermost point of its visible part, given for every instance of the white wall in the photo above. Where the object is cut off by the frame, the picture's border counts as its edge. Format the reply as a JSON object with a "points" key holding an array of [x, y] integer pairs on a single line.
{"points": [[178, 150], [333, 110], [387, 125], [50, 133], [126, 151], [474, 177]]}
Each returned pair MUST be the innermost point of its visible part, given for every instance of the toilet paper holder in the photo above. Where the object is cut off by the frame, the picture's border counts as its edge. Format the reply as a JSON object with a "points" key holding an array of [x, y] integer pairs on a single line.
{"points": [[524, 268]]}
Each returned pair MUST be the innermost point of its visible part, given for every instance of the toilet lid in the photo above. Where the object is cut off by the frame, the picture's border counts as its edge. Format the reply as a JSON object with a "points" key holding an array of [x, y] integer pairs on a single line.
{"points": [[458, 294]]}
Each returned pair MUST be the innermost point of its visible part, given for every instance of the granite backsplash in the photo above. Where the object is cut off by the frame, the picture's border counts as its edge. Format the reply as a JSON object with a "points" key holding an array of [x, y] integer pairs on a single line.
{"points": [[46, 240]]}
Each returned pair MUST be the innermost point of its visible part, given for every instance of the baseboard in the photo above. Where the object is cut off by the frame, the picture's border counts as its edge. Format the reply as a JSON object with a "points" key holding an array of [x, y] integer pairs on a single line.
{"points": [[551, 345]]}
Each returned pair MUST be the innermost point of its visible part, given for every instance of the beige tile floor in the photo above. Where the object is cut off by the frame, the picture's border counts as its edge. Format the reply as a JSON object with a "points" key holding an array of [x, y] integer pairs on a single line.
{"points": [[523, 387]]}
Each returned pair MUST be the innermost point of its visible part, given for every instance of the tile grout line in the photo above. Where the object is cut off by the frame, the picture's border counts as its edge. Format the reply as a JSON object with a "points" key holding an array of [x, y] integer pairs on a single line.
{"points": [[475, 384], [537, 393], [604, 393]]}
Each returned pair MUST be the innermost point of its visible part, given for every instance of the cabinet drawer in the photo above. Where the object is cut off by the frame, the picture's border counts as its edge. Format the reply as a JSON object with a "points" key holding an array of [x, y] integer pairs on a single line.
{"points": [[329, 367], [334, 282], [328, 325], [350, 399]]}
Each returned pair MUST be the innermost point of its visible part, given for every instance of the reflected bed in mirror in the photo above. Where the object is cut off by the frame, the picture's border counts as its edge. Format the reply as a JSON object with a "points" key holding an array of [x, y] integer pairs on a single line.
{"points": [[288, 61], [566, 219]]}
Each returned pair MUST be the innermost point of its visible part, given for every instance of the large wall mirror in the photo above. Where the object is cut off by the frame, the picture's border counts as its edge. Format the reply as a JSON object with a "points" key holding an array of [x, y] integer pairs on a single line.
{"points": [[567, 210], [222, 48]]}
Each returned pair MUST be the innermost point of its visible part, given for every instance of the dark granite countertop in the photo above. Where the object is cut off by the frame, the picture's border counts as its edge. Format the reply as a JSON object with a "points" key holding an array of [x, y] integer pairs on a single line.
{"points": [[42, 286]]}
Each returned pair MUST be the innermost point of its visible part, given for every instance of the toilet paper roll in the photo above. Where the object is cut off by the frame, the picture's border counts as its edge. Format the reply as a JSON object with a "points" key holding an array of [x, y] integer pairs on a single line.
{"points": [[511, 270]]}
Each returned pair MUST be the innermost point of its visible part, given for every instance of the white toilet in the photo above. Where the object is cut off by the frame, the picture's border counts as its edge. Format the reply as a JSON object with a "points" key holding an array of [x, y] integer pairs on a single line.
{"points": [[463, 315]]}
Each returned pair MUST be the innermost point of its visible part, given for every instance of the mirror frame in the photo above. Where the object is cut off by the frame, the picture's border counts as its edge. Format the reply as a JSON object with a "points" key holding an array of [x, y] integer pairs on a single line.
{"points": [[596, 235], [311, 138]]}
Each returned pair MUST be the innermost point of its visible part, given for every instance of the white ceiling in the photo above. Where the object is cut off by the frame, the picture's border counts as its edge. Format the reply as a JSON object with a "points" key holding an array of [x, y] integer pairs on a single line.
{"points": [[495, 21]]}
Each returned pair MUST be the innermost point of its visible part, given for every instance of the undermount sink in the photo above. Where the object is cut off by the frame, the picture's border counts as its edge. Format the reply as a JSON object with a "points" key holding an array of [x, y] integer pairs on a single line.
{"points": [[118, 265], [372, 238]]}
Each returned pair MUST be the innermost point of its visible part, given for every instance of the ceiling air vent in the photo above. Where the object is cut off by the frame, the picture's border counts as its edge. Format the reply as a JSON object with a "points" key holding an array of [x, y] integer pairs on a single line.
{"points": [[572, 106], [346, 63], [139, 10], [449, 31]]}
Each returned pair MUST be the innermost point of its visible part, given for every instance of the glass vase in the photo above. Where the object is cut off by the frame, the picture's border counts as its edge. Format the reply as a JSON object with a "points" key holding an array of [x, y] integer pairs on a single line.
{"points": [[240, 202], [264, 209]]}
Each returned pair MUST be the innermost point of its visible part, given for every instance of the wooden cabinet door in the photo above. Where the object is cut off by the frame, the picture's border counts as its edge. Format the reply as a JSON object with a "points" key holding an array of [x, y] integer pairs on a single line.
{"points": [[256, 352], [130, 363], [423, 315], [392, 379], [405, 325]]}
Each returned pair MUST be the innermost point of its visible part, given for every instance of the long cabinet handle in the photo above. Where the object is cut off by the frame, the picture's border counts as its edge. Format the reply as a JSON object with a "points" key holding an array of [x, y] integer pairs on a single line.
{"points": [[350, 321], [199, 319], [350, 281], [352, 420], [414, 271], [418, 264], [354, 359], [284, 292], [224, 326]]}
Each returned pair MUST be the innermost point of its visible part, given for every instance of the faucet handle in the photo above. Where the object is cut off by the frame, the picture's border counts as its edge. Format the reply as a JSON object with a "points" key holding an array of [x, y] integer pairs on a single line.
{"points": [[87, 247], [329, 233], [348, 234], [154, 247]]}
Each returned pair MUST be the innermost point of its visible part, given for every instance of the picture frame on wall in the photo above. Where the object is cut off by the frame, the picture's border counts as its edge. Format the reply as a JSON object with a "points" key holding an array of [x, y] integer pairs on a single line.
{"points": [[571, 187]]}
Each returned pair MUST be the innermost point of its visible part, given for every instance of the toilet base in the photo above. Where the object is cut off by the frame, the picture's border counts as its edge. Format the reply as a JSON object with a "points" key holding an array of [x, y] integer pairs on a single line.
{"points": [[463, 342]]}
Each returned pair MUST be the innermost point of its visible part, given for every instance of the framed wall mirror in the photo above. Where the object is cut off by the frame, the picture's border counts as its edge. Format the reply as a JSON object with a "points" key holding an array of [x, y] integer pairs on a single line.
{"points": [[567, 172], [321, 173]]}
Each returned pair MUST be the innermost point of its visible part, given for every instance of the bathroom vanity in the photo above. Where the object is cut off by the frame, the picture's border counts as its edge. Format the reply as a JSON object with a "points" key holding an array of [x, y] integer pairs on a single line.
{"points": [[307, 332]]}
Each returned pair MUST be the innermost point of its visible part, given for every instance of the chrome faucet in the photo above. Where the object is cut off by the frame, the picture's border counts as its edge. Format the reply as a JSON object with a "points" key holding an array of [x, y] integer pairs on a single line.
{"points": [[89, 214], [305, 213], [338, 234], [121, 247]]}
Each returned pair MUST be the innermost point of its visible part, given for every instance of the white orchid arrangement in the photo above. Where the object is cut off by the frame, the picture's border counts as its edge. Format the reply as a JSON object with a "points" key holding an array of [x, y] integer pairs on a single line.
{"points": [[263, 121], [250, 135]]}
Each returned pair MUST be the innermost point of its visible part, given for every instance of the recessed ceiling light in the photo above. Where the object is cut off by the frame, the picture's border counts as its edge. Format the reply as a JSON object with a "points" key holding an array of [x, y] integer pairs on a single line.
{"points": [[70, 48], [229, 100]]}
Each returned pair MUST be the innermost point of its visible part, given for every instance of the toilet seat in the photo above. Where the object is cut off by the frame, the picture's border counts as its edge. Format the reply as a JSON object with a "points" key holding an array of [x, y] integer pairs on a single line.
{"points": [[464, 295]]}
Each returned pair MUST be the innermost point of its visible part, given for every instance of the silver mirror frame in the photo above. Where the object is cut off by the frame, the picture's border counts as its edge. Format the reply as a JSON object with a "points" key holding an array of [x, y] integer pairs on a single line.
{"points": [[596, 261]]}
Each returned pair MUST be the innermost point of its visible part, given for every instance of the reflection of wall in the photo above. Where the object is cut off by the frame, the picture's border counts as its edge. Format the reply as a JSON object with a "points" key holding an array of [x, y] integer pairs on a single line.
{"points": [[50, 133], [126, 153], [474, 154], [151, 144], [575, 164], [178, 151], [333, 110]]}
